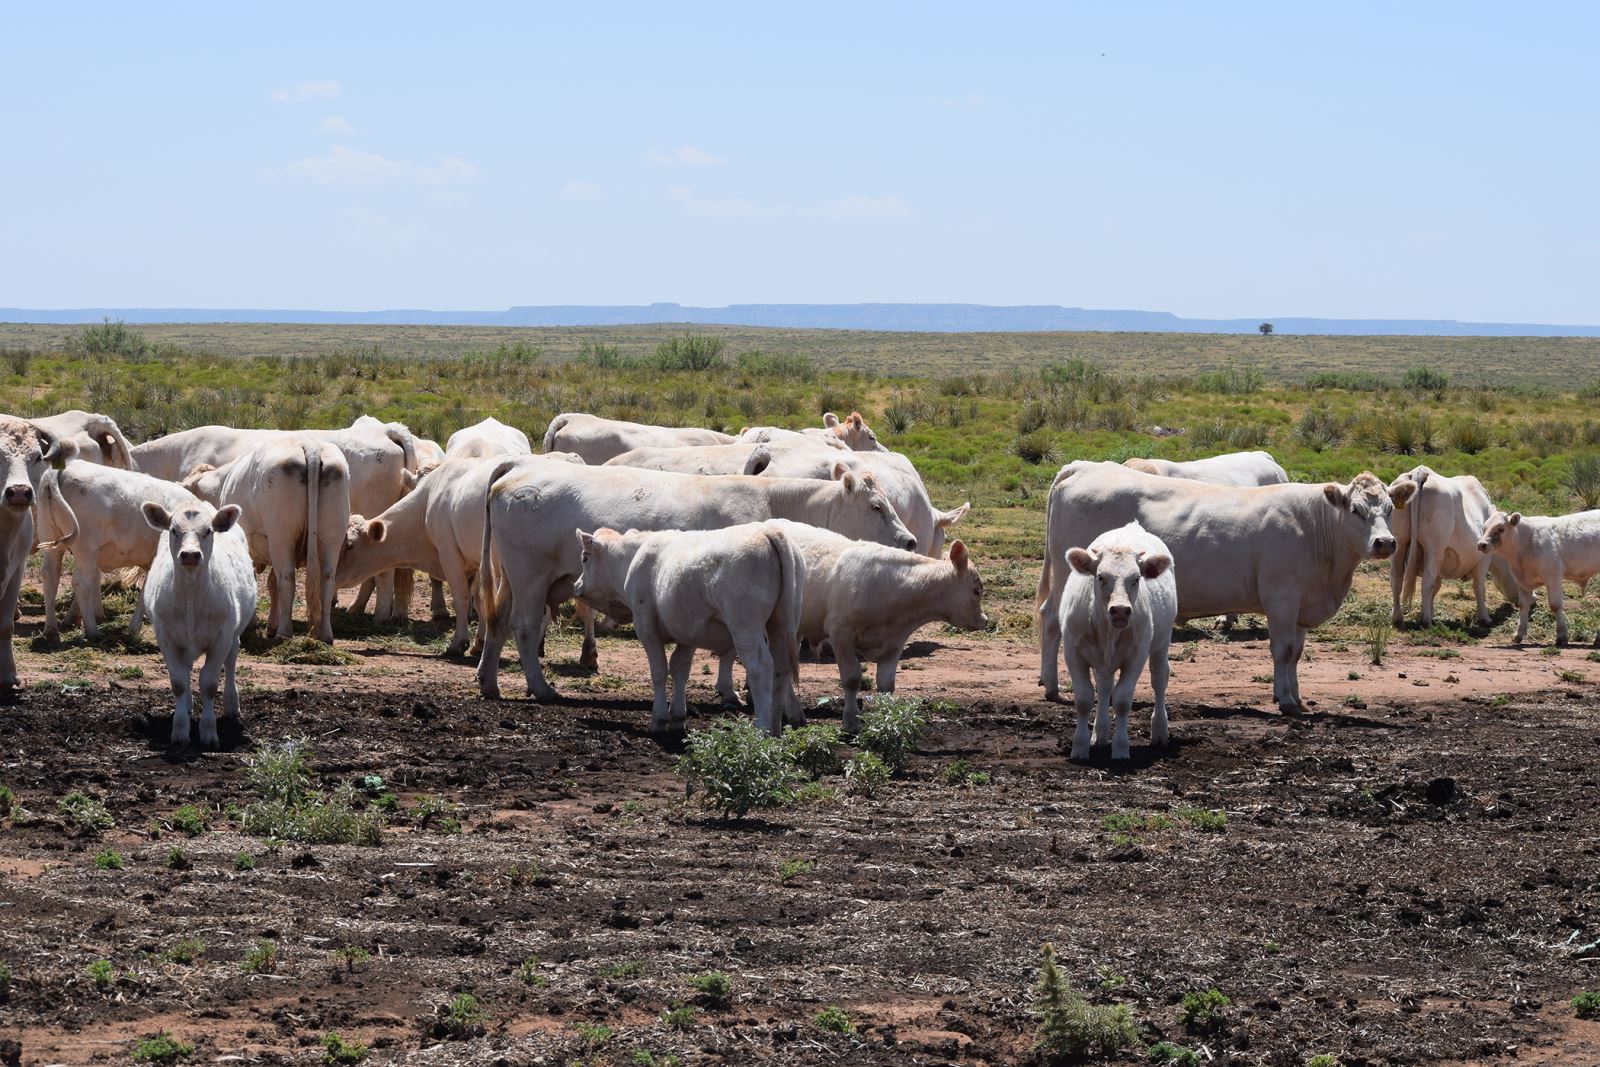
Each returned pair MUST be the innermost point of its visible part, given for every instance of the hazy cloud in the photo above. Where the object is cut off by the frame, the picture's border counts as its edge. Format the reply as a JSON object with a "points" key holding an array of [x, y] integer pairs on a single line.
{"points": [[352, 166], [686, 156], [307, 92], [333, 124], [867, 207]]}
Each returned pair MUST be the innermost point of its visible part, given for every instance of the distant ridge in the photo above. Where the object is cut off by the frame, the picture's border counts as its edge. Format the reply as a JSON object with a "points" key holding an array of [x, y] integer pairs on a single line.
{"points": [[914, 318]]}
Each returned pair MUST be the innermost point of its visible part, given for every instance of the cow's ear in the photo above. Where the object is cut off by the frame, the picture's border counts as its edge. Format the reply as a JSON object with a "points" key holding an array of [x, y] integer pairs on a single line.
{"points": [[830, 420], [1083, 561], [225, 517], [377, 529], [1402, 493], [953, 516], [1154, 565], [156, 515], [586, 540], [841, 473], [958, 555], [855, 419], [1336, 495], [1516, 517]]}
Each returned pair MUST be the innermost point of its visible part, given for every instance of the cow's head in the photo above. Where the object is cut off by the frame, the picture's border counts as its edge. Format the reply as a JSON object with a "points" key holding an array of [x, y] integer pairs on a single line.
{"points": [[854, 432], [26, 451], [1365, 506], [1119, 573], [190, 531], [1492, 537], [361, 535], [605, 568], [963, 604], [865, 513]]}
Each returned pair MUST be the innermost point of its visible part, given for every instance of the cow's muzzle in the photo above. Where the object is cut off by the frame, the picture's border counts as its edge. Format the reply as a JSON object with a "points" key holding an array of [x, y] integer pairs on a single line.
{"points": [[19, 496], [1382, 547], [189, 558], [1120, 614]]}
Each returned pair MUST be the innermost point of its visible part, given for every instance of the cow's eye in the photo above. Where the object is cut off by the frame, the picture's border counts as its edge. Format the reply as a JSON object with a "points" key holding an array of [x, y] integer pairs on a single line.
{"points": [[586, 557], [877, 507]]}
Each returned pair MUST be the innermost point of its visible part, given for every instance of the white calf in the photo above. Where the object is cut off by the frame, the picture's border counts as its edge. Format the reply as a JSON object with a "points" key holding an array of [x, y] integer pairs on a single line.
{"points": [[1117, 611], [1543, 551], [737, 589], [202, 595], [26, 451]]}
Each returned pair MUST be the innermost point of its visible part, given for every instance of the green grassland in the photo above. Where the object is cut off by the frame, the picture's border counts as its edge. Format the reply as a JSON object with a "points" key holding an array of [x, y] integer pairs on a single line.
{"points": [[986, 418]]}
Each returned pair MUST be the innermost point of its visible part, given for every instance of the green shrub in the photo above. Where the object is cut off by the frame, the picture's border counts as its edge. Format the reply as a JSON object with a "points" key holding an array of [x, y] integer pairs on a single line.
{"points": [[692, 352], [244, 861], [352, 956], [290, 810], [86, 813], [1320, 429], [593, 1034], [891, 728], [460, 1018], [337, 1050], [814, 750], [186, 950], [188, 820], [177, 859], [8, 801], [112, 338], [437, 813], [678, 1017], [1586, 1005], [1232, 381], [1202, 1009], [262, 958], [737, 767], [1424, 380], [528, 973], [1069, 1026], [865, 775], [1470, 436], [960, 772], [1323, 1059], [109, 860], [101, 973], [834, 1020], [1583, 478], [1036, 448], [5, 983], [1208, 820], [163, 1048], [1166, 1054], [714, 987], [794, 867]]}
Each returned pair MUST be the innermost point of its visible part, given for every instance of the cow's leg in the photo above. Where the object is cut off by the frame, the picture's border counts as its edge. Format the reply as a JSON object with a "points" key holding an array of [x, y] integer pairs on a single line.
{"points": [[363, 595], [405, 583], [886, 669], [1557, 598], [844, 653], [726, 689], [1480, 590], [441, 612], [230, 684], [136, 620], [756, 655], [327, 590], [655, 652], [1050, 643], [529, 626], [1122, 702], [1104, 683], [1431, 581], [50, 580], [1082, 703], [10, 587], [178, 673], [384, 611], [210, 671], [283, 591], [1160, 672], [460, 593], [1282, 628], [86, 592], [682, 659], [1524, 611], [589, 657]]}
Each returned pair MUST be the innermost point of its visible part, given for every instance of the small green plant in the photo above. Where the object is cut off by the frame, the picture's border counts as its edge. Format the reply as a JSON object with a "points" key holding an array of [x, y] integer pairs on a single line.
{"points": [[1128, 822], [436, 813], [816, 793], [528, 973], [1110, 980], [1211, 821], [1323, 1059], [186, 950], [109, 860], [244, 861], [794, 867], [351, 956], [814, 749], [87, 814], [461, 1017], [129, 672], [1583, 478], [738, 767], [8, 801], [715, 988], [289, 809], [1376, 633], [1572, 677], [834, 1020], [5, 983], [189, 820], [1586, 1005], [891, 728], [1166, 1054], [679, 1016], [643, 1057], [262, 958], [624, 971], [1071, 1027], [177, 859], [593, 1034], [866, 775], [959, 772], [1202, 1009], [101, 973], [1036, 448], [337, 1049], [1354, 676], [163, 1048]]}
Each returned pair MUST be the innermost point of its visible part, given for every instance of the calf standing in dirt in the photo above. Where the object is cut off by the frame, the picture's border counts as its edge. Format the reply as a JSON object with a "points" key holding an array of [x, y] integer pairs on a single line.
{"points": [[201, 594], [1117, 611], [737, 589], [1543, 551], [25, 452]]}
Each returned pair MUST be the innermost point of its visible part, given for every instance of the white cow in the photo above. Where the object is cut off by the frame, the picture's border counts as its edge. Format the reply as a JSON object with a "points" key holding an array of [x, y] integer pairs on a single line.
{"points": [[98, 437], [1117, 612], [866, 600], [26, 451], [93, 511], [533, 508], [735, 590], [1288, 551], [437, 528], [597, 439], [851, 432], [429, 454], [491, 437], [1436, 537], [1544, 551], [698, 459], [294, 494], [202, 596], [1230, 468]]}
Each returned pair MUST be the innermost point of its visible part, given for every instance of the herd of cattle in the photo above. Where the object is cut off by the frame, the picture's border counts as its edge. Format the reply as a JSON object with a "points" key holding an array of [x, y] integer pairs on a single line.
{"points": [[743, 546]]}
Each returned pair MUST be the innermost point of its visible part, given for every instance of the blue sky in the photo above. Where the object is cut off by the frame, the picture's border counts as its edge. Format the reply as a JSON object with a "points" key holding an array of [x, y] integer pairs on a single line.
{"points": [[1351, 160]]}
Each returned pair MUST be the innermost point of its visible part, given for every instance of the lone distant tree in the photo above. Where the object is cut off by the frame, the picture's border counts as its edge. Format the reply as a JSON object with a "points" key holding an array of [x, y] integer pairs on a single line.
{"points": [[1265, 328]]}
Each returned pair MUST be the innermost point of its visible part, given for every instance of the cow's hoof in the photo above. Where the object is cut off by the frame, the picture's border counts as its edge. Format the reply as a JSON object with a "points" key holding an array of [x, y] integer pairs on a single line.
{"points": [[1081, 753], [589, 661]]}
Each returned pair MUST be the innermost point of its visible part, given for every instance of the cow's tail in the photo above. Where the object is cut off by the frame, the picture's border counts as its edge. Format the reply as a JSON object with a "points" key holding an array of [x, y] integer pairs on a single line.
{"points": [[54, 505], [401, 435], [314, 606], [1412, 553], [783, 629], [114, 448], [760, 459], [492, 606], [556, 425]]}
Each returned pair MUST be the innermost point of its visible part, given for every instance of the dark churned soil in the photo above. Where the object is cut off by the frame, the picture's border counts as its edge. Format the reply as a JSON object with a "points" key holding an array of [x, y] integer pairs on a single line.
{"points": [[1399, 884]]}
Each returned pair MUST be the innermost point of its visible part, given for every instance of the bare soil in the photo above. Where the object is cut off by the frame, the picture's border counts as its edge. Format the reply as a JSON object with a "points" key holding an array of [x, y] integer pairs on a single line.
{"points": [[1406, 876]]}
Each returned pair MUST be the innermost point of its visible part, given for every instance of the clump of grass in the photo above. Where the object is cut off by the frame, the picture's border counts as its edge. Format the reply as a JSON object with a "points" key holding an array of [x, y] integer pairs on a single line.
{"points": [[101, 973], [1323, 1059], [528, 973], [794, 867], [627, 969], [865, 775], [1211, 821], [1166, 1054], [816, 793], [1036, 448], [436, 813], [261, 958], [307, 651], [1470, 436], [891, 728], [188, 820], [1376, 633], [244, 861], [109, 860], [678, 1016], [1069, 1026], [1202, 1009], [351, 956], [163, 1048], [186, 950], [593, 1034], [1583, 478], [834, 1020], [339, 1050], [714, 988], [289, 809], [460, 1018], [737, 767], [814, 750], [87, 814], [177, 859], [959, 772]]}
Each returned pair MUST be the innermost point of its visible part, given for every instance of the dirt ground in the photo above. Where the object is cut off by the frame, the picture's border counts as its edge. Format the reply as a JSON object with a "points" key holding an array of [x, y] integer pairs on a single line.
{"points": [[1407, 875]]}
